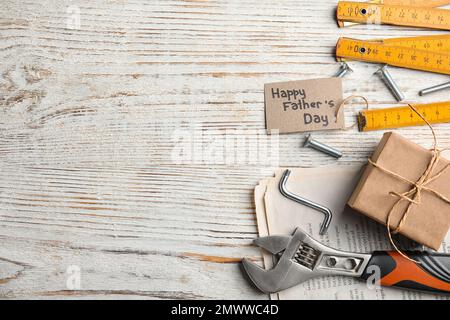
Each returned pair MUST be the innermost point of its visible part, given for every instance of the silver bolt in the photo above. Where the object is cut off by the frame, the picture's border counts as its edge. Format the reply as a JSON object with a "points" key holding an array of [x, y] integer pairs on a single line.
{"points": [[435, 89], [344, 69], [386, 76], [316, 145]]}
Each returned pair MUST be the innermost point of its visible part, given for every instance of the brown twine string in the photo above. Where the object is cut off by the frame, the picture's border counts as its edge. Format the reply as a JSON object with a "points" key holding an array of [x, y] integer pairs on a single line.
{"points": [[414, 195], [345, 102]]}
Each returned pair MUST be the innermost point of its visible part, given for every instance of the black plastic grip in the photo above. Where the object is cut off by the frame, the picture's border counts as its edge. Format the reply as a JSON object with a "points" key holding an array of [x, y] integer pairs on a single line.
{"points": [[431, 273]]}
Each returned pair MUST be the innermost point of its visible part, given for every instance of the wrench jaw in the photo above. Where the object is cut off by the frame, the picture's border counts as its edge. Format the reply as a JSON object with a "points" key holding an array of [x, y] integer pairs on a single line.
{"points": [[273, 244], [267, 281], [301, 258], [285, 275]]}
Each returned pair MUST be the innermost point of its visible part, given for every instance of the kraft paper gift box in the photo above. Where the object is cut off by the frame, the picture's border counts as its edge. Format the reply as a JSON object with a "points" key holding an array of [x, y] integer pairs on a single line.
{"points": [[428, 221]]}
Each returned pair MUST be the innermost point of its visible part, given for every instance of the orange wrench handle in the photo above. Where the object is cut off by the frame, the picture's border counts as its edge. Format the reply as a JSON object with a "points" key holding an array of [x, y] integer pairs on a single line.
{"points": [[431, 273]]}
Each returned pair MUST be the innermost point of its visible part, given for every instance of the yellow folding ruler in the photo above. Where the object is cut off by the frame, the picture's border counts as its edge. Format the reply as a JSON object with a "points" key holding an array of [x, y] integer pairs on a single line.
{"points": [[414, 3], [427, 53], [391, 118], [419, 13]]}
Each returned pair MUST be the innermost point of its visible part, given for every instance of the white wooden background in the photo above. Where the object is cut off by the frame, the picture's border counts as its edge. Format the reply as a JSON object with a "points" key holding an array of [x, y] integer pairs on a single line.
{"points": [[88, 118]]}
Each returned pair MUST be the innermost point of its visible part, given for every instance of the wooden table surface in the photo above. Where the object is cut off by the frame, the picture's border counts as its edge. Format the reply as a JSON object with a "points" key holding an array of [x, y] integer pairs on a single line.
{"points": [[92, 116]]}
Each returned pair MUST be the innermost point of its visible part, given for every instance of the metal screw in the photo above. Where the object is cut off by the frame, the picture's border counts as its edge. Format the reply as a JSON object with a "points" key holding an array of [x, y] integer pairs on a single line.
{"points": [[435, 89], [345, 69], [386, 76], [316, 145]]}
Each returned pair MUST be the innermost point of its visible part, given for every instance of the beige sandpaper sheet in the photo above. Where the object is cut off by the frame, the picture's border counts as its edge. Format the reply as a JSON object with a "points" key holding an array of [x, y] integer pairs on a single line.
{"points": [[349, 230]]}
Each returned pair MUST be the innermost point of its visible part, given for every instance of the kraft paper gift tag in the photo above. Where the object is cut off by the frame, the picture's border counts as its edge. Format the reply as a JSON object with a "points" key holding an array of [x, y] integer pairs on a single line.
{"points": [[306, 105]]}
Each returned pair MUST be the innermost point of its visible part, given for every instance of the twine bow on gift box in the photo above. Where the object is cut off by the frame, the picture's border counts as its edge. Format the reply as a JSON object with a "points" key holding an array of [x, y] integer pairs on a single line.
{"points": [[414, 195]]}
